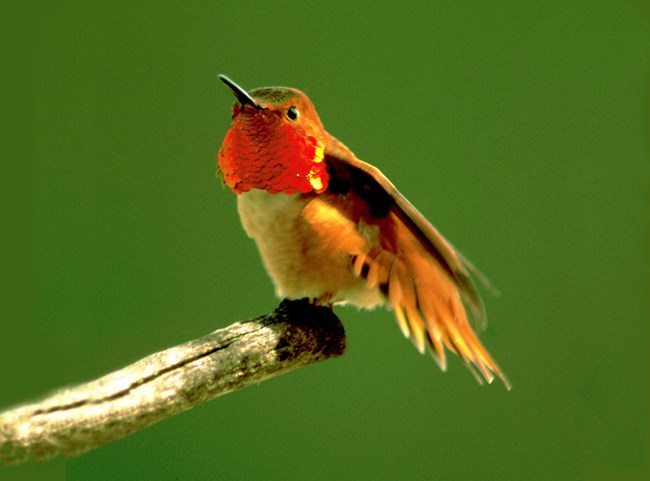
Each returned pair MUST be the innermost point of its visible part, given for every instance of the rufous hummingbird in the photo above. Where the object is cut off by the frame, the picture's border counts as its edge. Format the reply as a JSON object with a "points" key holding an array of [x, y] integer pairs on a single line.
{"points": [[334, 229]]}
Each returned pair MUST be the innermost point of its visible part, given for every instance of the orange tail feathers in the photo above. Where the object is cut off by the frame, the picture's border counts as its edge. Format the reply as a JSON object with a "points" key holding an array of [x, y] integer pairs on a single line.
{"points": [[429, 310]]}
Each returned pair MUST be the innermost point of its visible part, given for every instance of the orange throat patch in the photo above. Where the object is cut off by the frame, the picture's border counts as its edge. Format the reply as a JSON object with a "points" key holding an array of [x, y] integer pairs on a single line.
{"points": [[263, 153]]}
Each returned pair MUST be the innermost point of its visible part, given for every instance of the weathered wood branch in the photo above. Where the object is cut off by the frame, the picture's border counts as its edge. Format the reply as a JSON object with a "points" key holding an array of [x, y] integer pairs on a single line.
{"points": [[80, 418]]}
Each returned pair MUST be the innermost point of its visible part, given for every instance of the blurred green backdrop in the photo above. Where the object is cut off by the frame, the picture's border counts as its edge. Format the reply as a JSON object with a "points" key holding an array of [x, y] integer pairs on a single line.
{"points": [[519, 129]]}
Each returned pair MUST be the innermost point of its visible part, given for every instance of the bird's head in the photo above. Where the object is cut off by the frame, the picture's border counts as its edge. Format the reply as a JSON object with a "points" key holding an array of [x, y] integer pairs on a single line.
{"points": [[276, 142]]}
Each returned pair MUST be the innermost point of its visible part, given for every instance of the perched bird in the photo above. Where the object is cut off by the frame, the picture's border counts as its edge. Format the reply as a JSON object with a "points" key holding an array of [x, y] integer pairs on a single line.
{"points": [[334, 229]]}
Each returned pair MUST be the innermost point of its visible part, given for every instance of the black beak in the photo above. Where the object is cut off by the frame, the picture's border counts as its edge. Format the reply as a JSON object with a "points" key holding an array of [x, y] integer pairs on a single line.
{"points": [[243, 97]]}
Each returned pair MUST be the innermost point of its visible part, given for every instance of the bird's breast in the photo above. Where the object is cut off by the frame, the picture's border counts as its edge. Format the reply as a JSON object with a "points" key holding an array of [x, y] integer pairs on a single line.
{"points": [[306, 243]]}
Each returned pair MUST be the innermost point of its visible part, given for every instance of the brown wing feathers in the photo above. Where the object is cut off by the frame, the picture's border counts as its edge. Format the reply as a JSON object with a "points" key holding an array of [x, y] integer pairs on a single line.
{"points": [[422, 275]]}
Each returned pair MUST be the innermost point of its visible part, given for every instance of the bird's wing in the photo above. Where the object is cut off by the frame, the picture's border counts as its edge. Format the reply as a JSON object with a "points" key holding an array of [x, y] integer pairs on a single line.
{"points": [[425, 279]]}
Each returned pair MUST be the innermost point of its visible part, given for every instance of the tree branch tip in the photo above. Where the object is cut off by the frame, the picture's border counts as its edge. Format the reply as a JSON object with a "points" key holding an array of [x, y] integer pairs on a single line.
{"points": [[76, 419]]}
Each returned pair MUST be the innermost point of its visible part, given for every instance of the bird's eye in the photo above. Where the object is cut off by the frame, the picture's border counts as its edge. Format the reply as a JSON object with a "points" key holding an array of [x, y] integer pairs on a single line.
{"points": [[292, 113]]}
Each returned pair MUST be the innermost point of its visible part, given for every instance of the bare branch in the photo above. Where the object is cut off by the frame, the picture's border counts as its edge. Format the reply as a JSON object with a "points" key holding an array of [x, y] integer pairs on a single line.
{"points": [[77, 419]]}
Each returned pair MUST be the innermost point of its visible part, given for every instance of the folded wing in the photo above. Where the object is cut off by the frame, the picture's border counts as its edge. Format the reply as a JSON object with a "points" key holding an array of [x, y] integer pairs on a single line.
{"points": [[424, 278]]}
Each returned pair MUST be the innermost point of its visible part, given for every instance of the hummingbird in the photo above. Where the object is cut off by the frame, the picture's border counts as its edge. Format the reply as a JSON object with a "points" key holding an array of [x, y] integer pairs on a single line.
{"points": [[333, 229]]}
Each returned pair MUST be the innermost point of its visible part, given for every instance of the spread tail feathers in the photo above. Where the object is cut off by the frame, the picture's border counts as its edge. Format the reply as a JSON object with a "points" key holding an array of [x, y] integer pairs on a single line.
{"points": [[428, 305], [429, 311]]}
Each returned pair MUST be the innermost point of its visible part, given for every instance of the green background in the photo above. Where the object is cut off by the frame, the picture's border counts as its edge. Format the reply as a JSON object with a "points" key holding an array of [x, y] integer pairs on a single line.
{"points": [[518, 128]]}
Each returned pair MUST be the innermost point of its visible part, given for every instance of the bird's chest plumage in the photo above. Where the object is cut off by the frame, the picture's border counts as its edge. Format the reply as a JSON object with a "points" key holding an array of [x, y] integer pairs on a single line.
{"points": [[307, 243]]}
